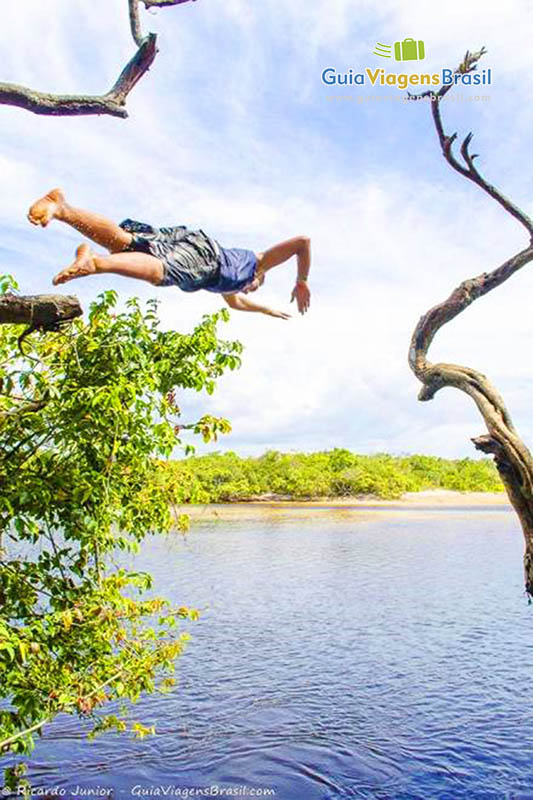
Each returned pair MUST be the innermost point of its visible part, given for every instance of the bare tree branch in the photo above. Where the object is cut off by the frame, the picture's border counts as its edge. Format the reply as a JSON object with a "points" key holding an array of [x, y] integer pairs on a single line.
{"points": [[469, 170], [63, 105], [44, 311], [135, 22], [512, 458], [113, 103], [135, 69], [458, 301], [162, 3]]}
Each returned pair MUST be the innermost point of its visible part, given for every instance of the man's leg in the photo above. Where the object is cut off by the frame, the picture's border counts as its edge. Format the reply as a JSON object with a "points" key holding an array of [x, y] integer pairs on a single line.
{"points": [[96, 227], [299, 246], [141, 266]]}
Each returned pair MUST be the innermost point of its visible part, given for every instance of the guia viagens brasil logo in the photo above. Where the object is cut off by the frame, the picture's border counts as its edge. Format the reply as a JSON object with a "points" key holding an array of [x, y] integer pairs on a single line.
{"points": [[405, 50]]}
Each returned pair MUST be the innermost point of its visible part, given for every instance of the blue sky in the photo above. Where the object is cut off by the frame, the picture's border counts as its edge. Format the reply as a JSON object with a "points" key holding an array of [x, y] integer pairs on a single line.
{"points": [[232, 130]]}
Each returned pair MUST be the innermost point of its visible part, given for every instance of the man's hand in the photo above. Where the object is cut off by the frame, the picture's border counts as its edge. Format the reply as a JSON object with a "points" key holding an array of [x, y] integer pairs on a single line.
{"points": [[302, 295], [279, 314], [241, 303], [255, 284]]}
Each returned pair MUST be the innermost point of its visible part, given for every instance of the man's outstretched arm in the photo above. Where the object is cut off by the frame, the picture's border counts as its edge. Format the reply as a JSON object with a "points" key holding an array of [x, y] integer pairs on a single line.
{"points": [[241, 303], [299, 246]]}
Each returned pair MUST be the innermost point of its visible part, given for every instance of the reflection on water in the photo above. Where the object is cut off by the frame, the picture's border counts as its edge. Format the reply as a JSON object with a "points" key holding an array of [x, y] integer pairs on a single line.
{"points": [[380, 656]]}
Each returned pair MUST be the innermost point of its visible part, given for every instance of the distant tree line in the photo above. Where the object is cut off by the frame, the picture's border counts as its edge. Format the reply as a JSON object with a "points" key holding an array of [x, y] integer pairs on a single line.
{"points": [[226, 477]]}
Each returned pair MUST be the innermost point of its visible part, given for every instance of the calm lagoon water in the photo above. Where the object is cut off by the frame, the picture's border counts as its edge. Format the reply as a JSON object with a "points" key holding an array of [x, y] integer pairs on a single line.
{"points": [[348, 655]]}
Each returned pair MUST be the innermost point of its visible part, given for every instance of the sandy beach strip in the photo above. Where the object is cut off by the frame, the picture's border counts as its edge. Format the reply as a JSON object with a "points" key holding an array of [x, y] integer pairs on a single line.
{"points": [[256, 509]]}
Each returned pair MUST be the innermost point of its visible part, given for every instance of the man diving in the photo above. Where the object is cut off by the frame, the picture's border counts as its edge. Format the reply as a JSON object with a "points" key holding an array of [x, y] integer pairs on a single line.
{"points": [[174, 256]]}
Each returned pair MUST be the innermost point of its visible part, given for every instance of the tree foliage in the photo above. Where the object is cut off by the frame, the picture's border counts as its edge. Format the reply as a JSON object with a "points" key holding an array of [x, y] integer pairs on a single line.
{"points": [[87, 418], [223, 477]]}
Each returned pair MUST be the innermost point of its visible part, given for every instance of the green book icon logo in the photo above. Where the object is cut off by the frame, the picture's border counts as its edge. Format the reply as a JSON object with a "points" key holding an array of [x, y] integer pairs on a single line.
{"points": [[409, 50]]}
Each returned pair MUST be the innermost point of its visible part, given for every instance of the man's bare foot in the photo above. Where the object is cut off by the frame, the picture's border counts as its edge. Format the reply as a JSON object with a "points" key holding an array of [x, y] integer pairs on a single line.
{"points": [[82, 265], [45, 209]]}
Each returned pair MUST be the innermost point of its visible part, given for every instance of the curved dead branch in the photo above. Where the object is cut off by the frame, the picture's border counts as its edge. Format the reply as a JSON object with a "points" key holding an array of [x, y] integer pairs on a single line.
{"points": [[114, 101], [468, 169], [512, 458], [135, 22]]}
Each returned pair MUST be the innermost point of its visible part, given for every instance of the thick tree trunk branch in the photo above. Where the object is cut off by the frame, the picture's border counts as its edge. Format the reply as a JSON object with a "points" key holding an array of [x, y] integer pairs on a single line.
{"points": [[60, 105], [113, 103], [135, 69], [44, 311], [512, 458], [458, 301]]}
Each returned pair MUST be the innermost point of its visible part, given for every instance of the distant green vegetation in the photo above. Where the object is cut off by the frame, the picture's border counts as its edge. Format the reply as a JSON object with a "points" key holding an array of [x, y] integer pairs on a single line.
{"points": [[226, 477]]}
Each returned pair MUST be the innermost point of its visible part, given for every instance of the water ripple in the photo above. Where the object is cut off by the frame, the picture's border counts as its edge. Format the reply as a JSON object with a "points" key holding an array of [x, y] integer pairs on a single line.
{"points": [[375, 656]]}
